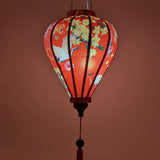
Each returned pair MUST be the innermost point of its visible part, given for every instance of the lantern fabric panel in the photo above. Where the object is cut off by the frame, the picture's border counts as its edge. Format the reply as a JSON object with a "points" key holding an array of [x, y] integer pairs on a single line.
{"points": [[47, 44], [60, 48], [111, 50], [51, 56], [99, 42], [80, 29]]}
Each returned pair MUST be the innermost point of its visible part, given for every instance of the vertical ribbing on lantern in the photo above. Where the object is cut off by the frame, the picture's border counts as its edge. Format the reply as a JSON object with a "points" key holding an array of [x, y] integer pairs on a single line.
{"points": [[69, 52], [88, 53], [55, 56], [102, 58]]}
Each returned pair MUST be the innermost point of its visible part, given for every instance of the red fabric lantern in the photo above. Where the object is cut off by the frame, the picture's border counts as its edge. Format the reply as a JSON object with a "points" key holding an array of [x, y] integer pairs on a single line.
{"points": [[80, 48]]}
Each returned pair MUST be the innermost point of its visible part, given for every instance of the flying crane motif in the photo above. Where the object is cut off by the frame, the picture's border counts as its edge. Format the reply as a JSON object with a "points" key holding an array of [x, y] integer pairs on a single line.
{"points": [[62, 52]]}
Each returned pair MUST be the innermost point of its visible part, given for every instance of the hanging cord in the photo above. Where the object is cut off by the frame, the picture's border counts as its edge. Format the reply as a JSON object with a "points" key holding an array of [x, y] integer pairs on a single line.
{"points": [[91, 4], [80, 107], [88, 6], [80, 128], [71, 4]]}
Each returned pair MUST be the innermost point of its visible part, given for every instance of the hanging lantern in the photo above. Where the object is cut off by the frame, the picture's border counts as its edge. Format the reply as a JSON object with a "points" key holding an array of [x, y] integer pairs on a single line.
{"points": [[80, 48]]}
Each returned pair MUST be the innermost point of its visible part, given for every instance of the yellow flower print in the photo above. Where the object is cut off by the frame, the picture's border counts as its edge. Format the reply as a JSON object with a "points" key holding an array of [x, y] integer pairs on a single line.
{"points": [[68, 92], [97, 30], [95, 18], [85, 22], [116, 36], [78, 25], [85, 36], [107, 62], [75, 22], [59, 28], [115, 33], [67, 19], [48, 49], [95, 41], [83, 28], [112, 55], [93, 21], [76, 29], [76, 42], [57, 70], [50, 56], [92, 52], [104, 31], [80, 30]]}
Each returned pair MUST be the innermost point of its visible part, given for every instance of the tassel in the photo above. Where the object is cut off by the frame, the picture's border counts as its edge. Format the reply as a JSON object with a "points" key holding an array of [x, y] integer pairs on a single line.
{"points": [[80, 144], [79, 154]]}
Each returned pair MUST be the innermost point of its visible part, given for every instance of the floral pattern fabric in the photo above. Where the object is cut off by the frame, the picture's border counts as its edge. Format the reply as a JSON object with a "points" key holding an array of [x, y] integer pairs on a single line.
{"points": [[103, 46]]}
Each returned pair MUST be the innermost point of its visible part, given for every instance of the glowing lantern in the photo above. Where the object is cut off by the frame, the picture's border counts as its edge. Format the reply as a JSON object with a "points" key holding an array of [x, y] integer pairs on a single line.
{"points": [[80, 48]]}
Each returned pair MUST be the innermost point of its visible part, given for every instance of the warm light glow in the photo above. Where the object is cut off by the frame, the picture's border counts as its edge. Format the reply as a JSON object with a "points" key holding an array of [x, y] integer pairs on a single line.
{"points": [[80, 60]]}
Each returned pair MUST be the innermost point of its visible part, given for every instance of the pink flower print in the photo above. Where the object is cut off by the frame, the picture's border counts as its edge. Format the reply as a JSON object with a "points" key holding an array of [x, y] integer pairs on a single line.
{"points": [[109, 49], [68, 66]]}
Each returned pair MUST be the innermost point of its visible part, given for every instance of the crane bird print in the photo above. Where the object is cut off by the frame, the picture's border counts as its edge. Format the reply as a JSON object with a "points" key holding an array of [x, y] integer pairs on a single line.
{"points": [[62, 52]]}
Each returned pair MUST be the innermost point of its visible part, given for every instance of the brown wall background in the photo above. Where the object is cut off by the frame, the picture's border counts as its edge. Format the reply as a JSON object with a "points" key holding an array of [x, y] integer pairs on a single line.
{"points": [[37, 122]]}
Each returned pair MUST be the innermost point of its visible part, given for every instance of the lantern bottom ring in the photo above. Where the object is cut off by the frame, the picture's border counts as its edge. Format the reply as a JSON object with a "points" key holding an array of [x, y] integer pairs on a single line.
{"points": [[80, 100]]}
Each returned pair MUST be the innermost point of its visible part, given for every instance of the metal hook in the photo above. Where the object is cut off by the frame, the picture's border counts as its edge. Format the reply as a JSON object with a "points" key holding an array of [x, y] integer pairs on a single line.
{"points": [[71, 4], [88, 4], [91, 4]]}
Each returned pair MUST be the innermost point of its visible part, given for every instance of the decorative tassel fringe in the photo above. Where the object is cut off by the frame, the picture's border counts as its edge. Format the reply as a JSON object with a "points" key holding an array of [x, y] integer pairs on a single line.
{"points": [[80, 144], [79, 154]]}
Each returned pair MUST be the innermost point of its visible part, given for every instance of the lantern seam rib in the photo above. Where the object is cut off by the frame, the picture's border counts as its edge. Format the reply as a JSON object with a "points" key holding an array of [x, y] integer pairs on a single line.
{"points": [[88, 54], [70, 59], [109, 39], [112, 59], [55, 56]]}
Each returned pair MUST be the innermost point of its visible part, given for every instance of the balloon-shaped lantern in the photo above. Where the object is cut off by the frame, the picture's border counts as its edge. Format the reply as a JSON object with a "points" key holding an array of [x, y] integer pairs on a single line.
{"points": [[80, 48]]}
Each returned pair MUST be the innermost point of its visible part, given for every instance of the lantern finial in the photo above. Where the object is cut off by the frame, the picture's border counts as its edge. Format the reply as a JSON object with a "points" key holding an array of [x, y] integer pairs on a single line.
{"points": [[77, 12], [80, 107]]}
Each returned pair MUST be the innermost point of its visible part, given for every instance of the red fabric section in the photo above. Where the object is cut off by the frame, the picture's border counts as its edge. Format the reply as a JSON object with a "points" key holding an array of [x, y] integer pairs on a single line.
{"points": [[47, 44], [79, 154], [79, 49], [60, 47], [109, 56], [99, 40]]}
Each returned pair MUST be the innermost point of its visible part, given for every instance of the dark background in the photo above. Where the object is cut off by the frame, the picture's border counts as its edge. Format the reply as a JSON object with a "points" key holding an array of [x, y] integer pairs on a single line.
{"points": [[37, 122]]}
